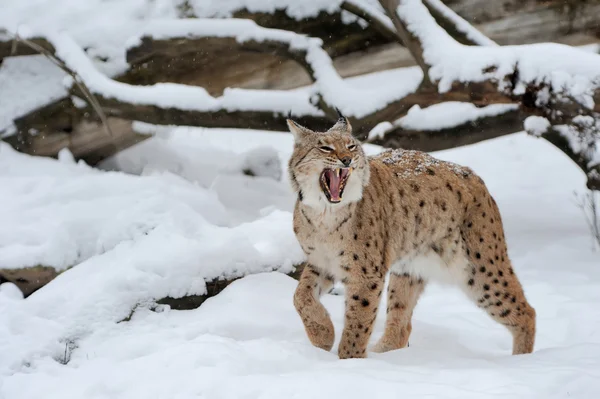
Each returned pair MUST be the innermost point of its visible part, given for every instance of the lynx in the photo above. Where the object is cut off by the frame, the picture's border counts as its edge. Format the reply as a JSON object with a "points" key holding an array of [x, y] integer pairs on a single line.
{"points": [[404, 213]]}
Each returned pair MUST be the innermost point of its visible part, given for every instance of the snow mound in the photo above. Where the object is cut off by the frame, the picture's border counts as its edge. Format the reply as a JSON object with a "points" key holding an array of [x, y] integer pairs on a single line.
{"points": [[133, 238], [72, 212], [248, 341]]}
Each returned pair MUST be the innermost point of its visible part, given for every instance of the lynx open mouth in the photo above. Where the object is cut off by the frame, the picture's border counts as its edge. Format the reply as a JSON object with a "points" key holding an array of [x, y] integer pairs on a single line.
{"points": [[333, 182]]}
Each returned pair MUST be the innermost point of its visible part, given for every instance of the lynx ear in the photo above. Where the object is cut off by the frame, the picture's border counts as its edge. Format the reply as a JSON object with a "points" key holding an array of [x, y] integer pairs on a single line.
{"points": [[299, 132], [342, 124]]}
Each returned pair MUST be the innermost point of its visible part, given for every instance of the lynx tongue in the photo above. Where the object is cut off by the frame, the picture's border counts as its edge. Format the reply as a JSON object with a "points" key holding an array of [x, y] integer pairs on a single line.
{"points": [[334, 179]]}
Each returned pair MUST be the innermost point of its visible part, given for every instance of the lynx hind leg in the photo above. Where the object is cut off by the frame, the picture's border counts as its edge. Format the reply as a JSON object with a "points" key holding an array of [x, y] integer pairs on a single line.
{"points": [[315, 317], [403, 293], [491, 282]]}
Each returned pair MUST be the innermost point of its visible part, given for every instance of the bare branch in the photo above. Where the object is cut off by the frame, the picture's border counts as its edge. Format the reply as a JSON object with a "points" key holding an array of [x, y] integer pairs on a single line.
{"points": [[589, 203]]}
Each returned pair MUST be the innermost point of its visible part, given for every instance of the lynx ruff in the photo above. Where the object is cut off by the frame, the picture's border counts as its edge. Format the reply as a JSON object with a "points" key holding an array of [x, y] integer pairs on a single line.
{"points": [[402, 212]]}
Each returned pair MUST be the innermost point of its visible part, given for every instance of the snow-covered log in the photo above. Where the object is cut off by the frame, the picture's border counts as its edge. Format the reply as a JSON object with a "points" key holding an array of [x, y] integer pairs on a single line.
{"points": [[512, 69], [555, 81], [213, 288], [448, 125], [259, 109]]}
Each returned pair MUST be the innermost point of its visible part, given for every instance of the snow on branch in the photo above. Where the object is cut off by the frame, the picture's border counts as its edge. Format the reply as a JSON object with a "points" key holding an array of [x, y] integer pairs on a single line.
{"points": [[328, 85], [168, 95], [181, 104], [441, 116], [449, 114], [373, 15], [450, 20], [553, 81], [511, 68], [447, 125], [578, 138]]}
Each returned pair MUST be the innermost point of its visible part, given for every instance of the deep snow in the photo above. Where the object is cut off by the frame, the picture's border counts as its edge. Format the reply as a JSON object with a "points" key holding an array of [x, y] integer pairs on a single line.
{"points": [[248, 341]]}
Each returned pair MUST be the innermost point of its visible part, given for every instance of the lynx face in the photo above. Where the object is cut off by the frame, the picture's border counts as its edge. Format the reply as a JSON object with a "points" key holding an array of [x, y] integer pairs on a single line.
{"points": [[327, 169]]}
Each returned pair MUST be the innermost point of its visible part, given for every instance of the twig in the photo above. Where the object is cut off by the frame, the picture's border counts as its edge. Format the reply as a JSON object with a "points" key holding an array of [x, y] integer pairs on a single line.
{"points": [[590, 205]]}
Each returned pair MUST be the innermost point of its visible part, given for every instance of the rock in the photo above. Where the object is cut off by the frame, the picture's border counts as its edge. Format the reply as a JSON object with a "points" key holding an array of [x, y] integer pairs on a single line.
{"points": [[28, 279]]}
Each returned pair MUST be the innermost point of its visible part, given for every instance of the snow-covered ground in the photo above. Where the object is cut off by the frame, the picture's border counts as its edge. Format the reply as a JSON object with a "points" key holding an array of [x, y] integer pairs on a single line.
{"points": [[186, 213]]}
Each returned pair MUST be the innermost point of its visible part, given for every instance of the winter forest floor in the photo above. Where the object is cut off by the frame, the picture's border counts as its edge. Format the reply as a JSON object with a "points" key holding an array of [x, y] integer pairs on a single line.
{"points": [[185, 213]]}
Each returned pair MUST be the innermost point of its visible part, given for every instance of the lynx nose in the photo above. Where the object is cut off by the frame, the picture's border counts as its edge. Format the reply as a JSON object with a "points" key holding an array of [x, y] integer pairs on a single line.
{"points": [[346, 161]]}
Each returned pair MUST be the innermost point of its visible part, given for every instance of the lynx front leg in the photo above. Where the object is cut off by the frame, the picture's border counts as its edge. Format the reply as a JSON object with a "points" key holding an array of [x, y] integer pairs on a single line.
{"points": [[317, 322], [403, 294], [363, 294]]}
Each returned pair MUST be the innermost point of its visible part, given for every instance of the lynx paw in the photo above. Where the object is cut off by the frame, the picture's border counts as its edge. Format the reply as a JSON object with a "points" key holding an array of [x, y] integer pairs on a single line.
{"points": [[321, 336], [383, 346]]}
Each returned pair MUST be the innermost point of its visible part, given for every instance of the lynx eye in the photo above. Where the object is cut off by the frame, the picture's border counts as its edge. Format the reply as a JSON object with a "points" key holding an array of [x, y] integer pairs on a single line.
{"points": [[352, 147], [325, 148]]}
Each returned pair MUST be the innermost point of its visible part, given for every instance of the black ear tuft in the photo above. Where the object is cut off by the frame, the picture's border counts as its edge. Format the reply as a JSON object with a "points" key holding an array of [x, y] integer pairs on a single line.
{"points": [[289, 114], [340, 115]]}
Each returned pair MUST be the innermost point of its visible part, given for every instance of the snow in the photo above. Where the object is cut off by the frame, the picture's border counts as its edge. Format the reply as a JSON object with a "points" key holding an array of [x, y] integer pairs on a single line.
{"points": [[171, 230], [440, 116], [293, 8], [380, 130], [241, 29], [536, 125], [449, 114], [10, 291], [591, 48]]}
